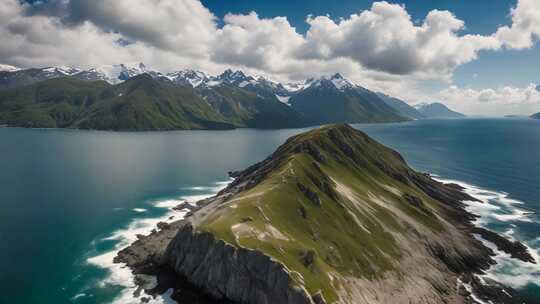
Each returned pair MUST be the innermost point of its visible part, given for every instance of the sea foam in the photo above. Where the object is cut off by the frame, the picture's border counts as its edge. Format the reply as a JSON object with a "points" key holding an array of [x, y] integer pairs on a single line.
{"points": [[500, 208], [120, 275]]}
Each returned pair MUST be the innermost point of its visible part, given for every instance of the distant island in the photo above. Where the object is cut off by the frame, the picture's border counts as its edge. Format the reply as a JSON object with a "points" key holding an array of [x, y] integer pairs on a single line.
{"points": [[134, 98], [331, 216], [536, 116], [437, 110]]}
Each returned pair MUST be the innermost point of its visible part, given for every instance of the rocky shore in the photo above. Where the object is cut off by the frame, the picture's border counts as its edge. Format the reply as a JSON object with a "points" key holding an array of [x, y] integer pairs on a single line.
{"points": [[202, 267]]}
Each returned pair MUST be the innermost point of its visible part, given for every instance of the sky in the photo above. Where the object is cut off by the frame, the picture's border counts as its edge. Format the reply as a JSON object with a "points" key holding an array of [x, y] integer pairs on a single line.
{"points": [[479, 57]]}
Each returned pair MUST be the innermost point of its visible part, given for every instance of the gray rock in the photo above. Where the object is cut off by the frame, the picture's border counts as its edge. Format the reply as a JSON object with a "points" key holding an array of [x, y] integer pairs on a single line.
{"points": [[227, 272]]}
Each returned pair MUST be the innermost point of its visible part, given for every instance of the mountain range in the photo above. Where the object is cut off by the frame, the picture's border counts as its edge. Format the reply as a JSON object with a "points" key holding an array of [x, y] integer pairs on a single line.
{"points": [[229, 100]]}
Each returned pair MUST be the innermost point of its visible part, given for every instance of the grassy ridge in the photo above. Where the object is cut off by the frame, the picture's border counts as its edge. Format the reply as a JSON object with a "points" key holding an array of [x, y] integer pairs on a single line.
{"points": [[327, 209], [140, 103], [326, 104], [248, 109]]}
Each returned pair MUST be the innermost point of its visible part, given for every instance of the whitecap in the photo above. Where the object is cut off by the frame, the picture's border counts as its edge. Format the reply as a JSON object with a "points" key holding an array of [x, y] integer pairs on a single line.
{"points": [[498, 207], [493, 206], [120, 274], [77, 296], [510, 271]]}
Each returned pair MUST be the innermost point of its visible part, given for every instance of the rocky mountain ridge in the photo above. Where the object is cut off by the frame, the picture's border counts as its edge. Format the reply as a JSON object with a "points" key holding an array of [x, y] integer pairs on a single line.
{"points": [[239, 99], [331, 216]]}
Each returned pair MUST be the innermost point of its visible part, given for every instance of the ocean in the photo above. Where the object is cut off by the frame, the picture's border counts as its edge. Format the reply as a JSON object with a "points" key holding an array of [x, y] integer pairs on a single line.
{"points": [[71, 199]]}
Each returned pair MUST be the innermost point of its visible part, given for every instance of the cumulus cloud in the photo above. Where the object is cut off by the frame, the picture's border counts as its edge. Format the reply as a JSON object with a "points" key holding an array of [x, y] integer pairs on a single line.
{"points": [[525, 28], [254, 42], [183, 26], [32, 37], [503, 100], [385, 38]]}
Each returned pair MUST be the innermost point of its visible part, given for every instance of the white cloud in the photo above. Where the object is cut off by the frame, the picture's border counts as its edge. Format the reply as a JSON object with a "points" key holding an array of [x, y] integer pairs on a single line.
{"points": [[499, 101], [385, 38], [525, 28], [263, 44], [182, 26], [31, 39]]}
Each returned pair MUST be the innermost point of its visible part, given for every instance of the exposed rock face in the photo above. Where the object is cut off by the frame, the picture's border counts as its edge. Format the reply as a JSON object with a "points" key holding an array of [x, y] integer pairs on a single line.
{"points": [[225, 271], [516, 249]]}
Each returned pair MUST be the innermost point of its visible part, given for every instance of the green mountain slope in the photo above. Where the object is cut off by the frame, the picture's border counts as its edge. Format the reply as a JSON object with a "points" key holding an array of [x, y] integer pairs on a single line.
{"points": [[52, 103], [401, 107], [140, 103], [325, 103], [143, 103], [245, 108], [437, 110]]}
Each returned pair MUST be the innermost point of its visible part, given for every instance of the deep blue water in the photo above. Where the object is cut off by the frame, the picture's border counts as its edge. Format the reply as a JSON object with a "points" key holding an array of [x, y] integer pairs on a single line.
{"points": [[68, 198]]}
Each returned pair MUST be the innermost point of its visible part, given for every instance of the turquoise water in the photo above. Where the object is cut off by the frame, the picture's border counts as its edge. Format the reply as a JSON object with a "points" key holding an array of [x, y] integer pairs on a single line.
{"points": [[70, 199]]}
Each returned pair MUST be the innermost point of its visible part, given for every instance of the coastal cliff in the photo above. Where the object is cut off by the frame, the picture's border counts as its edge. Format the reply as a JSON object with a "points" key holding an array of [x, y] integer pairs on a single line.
{"points": [[331, 217]]}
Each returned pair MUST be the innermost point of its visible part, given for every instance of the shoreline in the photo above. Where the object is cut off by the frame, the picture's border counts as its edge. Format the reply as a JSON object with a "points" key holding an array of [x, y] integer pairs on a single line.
{"points": [[490, 203], [121, 276]]}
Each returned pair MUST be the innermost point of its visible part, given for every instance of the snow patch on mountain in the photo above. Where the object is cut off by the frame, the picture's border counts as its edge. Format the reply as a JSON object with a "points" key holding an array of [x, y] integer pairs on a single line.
{"points": [[283, 99], [188, 77], [8, 68], [121, 72]]}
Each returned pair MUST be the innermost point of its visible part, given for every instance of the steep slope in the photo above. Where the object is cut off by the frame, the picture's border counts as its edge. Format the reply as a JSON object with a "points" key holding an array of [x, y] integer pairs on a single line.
{"points": [[19, 78], [113, 74], [261, 86], [437, 110], [401, 107], [331, 217], [336, 100], [52, 103], [245, 108], [141, 103]]}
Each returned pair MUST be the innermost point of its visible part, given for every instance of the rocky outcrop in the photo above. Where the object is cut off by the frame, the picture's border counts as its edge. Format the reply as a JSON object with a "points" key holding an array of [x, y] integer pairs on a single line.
{"points": [[229, 272], [514, 248]]}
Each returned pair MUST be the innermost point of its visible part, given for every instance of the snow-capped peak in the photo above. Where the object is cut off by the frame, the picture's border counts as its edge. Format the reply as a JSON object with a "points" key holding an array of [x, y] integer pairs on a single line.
{"points": [[64, 70], [339, 82], [8, 68], [120, 72], [234, 77], [421, 105], [188, 77]]}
